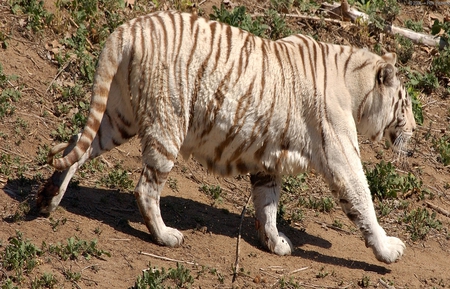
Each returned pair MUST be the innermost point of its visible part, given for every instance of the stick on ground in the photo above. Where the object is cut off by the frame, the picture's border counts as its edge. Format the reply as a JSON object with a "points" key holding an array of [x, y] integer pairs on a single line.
{"points": [[236, 263]]}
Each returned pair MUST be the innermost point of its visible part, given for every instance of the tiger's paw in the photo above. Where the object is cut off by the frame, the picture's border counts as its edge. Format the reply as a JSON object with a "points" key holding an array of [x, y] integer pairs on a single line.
{"points": [[170, 237], [390, 250], [281, 245]]}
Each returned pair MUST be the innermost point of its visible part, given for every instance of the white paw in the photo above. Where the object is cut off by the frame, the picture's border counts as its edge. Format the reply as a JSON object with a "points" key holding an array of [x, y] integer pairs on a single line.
{"points": [[281, 245], [389, 250], [170, 237]]}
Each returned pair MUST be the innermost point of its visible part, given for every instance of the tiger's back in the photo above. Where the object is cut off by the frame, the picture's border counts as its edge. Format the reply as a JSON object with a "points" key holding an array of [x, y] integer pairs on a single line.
{"points": [[239, 104]]}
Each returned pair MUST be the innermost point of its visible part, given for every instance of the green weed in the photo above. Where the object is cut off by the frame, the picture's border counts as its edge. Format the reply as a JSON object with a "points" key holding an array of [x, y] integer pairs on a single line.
{"points": [[322, 204], [117, 178], [428, 81], [38, 17], [155, 278], [322, 273], [404, 48], [8, 95], [239, 18], [277, 26], [294, 184], [416, 105], [47, 280], [289, 284], [380, 12], [72, 276], [213, 191], [75, 248], [419, 222], [386, 183], [41, 154], [414, 25], [20, 256], [443, 147], [364, 282], [173, 184], [56, 223], [63, 132], [22, 210], [441, 64]]}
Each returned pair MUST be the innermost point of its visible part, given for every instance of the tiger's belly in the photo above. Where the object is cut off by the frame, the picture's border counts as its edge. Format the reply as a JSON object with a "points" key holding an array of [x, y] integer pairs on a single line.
{"points": [[226, 155]]}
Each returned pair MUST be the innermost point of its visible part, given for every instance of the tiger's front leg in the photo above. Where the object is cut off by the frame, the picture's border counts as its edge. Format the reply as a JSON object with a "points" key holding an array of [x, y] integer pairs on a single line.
{"points": [[266, 194], [358, 206], [147, 194]]}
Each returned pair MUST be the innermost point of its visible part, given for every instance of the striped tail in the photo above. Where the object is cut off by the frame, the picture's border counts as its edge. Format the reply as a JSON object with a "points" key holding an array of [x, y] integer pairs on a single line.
{"points": [[108, 64]]}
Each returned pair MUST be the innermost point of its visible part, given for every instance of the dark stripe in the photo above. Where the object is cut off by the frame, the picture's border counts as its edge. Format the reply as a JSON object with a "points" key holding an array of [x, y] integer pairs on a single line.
{"points": [[347, 61]]}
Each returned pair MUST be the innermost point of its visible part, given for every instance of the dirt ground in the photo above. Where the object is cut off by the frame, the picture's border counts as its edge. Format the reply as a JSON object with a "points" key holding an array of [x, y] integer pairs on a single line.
{"points": [[323, 257]]}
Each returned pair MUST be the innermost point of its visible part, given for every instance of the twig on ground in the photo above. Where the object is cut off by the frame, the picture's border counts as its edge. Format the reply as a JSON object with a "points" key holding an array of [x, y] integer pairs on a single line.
{"points": [[385, 285], [298, 270], [236, 263], [325, 225], [115, 239], [57, 75], [167, 259], [438, 209]]}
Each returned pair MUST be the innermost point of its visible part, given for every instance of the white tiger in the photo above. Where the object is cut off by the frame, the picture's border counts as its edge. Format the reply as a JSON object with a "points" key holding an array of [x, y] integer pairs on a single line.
{"points": [[239, 104]]}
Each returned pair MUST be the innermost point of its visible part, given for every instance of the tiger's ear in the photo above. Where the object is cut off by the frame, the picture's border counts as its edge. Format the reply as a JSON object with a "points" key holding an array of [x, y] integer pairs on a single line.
{"points": [[390, 58], [386, 74]]}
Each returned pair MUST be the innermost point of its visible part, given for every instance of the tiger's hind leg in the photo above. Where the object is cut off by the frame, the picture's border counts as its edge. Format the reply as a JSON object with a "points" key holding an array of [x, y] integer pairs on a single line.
{"points": [[115, 129], [266, 194], [148, 192]]}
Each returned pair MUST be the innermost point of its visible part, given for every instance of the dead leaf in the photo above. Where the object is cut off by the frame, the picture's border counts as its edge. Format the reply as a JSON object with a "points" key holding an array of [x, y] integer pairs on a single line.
{"points": [[22, 22], [436, 16]]}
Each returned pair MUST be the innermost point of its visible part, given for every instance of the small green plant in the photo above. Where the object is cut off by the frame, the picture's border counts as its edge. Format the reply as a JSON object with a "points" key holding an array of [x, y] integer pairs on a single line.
{"points": [[442, 145], [155, 278], [38, 17], [337, 224], [117, 178], [416, 105], [8, 95], [277, 26], [322, 204], [364, 282], [56, 223], [20, 255], [72, 276], [47, 280], [380, 12], [41, 155], [386, 183], [441, 64], [288, 284], [213, 191], [419, 222], [75, 248], [428, 81], [173, 184], [414, 25], [322, 273], [294, 184], [22, 210], [239, 18], [404, 48]]}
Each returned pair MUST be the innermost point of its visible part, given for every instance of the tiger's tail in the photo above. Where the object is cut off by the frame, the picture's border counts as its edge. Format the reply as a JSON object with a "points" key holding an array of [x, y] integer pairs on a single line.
{"points": [[107, 67]]}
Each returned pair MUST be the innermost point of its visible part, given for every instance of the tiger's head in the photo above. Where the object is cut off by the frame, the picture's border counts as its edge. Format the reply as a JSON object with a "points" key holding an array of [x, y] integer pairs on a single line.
{"points": [[386, 111]]}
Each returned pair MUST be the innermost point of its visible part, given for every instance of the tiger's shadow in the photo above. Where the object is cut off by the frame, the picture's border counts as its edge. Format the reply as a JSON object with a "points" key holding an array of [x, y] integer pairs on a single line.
{"points": [[118, 209]]}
